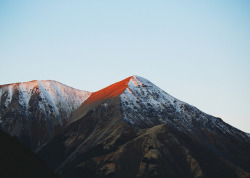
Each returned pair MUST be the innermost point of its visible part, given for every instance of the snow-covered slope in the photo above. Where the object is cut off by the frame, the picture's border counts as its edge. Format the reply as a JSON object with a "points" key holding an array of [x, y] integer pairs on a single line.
{"points": [[145, 105], [35, 108]]}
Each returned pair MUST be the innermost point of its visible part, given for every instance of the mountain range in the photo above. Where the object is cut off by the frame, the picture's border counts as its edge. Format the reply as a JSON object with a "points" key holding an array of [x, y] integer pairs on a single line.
{"points": [[129, 129]]}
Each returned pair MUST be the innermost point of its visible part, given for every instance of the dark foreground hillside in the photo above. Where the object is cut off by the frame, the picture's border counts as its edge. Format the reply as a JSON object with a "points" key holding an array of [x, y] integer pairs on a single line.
{"points": [[17, 161]]}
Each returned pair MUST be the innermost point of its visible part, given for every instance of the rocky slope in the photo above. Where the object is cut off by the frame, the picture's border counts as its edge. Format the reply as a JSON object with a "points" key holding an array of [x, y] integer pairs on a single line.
{"points": [[34, 111], [134, 129]]}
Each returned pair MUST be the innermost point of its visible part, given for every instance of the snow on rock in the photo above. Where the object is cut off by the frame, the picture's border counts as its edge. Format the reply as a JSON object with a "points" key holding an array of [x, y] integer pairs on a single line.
{"points": [[55, 100], [24, 94], [57, 97], [37, 109], [8, 94], [145, 105]]}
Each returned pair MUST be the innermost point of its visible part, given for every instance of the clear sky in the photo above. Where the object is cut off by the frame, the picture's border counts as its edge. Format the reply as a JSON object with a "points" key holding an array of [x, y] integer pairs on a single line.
{"points": [[197, 51]]}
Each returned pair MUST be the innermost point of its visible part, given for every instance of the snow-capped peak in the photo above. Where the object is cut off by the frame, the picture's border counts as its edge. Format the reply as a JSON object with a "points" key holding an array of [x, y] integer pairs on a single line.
{"points": [[142, 95], [43, 101], [50, 91], [146, 105]]}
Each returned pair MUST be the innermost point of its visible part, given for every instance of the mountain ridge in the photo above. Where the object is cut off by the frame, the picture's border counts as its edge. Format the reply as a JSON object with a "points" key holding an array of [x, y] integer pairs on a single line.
{"points": [[145, 132], [110, 91], [34, 111]]}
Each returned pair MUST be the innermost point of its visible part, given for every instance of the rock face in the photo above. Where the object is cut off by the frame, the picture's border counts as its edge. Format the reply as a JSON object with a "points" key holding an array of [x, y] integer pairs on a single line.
{"points": [[34, 111], [134, 129]]}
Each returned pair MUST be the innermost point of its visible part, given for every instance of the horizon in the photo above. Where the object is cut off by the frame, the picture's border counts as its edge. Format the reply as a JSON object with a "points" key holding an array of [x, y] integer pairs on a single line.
{"points": [[197, 52]]}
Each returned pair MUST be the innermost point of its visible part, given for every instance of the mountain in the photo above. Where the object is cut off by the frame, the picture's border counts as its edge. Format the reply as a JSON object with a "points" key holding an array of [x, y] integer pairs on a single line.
{"points": [[134, 129], [18, 161], [35, 111]]}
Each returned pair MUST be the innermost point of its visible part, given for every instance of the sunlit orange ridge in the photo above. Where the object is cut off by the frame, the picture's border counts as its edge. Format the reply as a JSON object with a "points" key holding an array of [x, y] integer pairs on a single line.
{"points": [[109, 92]]}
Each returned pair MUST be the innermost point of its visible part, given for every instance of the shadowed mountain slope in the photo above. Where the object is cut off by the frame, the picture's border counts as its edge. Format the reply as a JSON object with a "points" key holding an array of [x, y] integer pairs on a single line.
{"points": [[134, 129], [17, 161]]}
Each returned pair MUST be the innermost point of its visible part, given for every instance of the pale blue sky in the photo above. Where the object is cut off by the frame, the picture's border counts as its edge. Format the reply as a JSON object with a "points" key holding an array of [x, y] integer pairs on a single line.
{"points": [[197, 51]]}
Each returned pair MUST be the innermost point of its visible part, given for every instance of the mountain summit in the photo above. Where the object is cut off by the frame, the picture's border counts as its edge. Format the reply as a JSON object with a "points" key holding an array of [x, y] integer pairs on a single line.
{"points": [[35, 111], [145, 105], [134, 129]]}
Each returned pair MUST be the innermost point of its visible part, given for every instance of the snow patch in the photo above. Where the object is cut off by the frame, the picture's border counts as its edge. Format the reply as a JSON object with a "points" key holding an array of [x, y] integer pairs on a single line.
{"points": [[56, 101], [24, 94], [9, 96]]}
